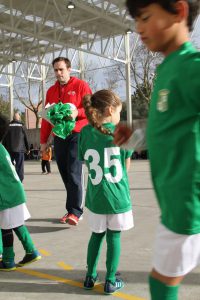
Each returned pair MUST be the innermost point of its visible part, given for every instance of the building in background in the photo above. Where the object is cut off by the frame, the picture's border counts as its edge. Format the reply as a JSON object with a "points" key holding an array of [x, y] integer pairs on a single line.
{"points": [[30, 118]]}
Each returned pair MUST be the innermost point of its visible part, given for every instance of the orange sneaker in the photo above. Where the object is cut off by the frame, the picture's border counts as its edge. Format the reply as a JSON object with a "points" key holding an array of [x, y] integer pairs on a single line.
{"points": [[72, 219], [63, 220]]}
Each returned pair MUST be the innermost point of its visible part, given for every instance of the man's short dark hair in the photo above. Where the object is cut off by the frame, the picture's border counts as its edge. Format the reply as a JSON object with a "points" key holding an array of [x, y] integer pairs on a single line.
{"points": [[4, 123], [134, 7], [60, 58]]}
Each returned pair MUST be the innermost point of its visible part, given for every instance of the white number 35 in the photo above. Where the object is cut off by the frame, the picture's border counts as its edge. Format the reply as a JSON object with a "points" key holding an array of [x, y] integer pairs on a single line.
{"points": [[108, 163]]}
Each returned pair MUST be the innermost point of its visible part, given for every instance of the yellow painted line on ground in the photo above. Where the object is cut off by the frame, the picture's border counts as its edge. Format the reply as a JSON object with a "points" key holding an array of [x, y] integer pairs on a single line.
{"points": [[64, 266], [70, 282], [44, 252]]}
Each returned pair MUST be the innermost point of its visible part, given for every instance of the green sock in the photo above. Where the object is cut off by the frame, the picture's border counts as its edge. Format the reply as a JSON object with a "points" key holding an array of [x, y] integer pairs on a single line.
{"points": [[113, 253], [161, 291], [94, 250], [8, 254], [25, 238], [7, 240], [1, 243]]}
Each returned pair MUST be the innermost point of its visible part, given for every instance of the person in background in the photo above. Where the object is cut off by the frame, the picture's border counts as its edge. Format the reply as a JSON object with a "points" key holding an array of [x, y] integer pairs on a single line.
{"points": [[67, 89], [13, 210], [46, 159], [107, 196], [173, 139], [31, 151], [16, 143]]}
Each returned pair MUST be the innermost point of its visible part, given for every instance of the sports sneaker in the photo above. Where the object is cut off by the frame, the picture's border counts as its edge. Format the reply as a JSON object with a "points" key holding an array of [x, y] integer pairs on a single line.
{"points": [[89, 282], [7, 266], [110, 288], [80, 218], [29, 258], [63, 220], [72, 219]]}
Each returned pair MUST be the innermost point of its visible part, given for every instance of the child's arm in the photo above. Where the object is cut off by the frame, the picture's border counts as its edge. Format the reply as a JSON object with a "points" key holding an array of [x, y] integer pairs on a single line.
{"points": [[128, 163]]}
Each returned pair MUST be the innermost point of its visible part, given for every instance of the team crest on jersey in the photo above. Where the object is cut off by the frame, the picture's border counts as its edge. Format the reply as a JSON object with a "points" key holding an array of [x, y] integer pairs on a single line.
{"points": [[162, 104], [71, 93]]}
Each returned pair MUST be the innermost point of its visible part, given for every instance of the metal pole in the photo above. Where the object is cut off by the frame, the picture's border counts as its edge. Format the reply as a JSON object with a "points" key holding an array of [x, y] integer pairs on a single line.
{"points": [[43, 76], [82, 66], [11, 98], [128, 79]]}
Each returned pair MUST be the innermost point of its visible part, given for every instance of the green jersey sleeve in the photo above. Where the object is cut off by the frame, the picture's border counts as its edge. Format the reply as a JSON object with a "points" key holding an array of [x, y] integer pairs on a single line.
{"points": [[9, 181], [128, 153]]}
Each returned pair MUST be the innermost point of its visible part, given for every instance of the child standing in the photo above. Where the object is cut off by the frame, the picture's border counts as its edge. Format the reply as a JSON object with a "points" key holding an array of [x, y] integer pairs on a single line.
{"points": [[46, 158], [173, 137], [107, 196], [13, 210]]}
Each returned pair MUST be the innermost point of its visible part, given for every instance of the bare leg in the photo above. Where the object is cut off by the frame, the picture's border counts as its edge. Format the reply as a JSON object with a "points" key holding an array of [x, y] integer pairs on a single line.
{"points": [[167, 280]]}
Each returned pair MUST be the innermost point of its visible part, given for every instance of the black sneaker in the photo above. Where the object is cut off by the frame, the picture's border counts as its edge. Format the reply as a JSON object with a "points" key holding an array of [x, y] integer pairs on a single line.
{"points": [[110, 288], [89, 282], [29, 258], [7, 266]]}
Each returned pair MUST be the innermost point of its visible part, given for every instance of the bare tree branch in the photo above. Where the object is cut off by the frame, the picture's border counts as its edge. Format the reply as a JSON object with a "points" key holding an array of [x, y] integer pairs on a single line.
{"points": [[28, 102]]}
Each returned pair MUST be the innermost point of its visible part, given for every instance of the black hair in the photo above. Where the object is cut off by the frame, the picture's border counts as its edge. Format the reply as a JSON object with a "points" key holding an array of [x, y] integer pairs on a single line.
{"points": [[60, 58], [134, 7], [4, 123]]}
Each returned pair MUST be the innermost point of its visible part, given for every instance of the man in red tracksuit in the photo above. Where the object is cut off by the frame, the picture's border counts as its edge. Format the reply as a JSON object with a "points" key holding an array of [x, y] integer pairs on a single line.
{"points": [[67, 90]]}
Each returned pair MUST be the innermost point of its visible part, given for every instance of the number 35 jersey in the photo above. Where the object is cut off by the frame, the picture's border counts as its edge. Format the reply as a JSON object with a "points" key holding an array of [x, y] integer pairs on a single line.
{"points": [[107, 187]]}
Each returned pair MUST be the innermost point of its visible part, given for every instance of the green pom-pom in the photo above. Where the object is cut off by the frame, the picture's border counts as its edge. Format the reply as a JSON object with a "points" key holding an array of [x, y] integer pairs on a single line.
{"points": [[59, 116]]}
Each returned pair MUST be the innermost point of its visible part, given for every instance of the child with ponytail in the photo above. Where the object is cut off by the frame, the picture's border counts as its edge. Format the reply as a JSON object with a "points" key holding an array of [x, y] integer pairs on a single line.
{"points": [[107, 197]]}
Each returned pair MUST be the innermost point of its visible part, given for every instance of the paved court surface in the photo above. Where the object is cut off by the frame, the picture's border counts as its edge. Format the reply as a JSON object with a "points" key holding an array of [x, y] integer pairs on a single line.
{"points": [[60, 273]]}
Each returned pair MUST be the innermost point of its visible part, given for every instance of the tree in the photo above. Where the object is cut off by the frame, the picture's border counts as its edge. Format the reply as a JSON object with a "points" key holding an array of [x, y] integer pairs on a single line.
{"points": [[4, 106], [143, 67], [28, 102], [140, 105], [89, 74], [123, 115]]}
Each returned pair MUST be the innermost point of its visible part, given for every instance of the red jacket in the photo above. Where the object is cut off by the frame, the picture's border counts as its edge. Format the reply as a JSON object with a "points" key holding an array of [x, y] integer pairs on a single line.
{"points": [[72, 92]]}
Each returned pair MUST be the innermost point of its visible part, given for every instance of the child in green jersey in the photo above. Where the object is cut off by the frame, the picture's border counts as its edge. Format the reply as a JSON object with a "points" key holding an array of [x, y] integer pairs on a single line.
{"points": [[13, 210], [107, 196], [173, 137]]}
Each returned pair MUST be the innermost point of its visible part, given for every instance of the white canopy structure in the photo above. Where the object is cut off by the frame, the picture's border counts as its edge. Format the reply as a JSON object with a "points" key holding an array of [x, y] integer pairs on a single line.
{"points": [[34, 31], [31, 29]]}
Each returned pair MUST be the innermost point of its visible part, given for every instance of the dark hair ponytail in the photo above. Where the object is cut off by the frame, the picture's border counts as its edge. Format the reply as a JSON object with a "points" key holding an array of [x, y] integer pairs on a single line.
{"points": [[95, 107]]}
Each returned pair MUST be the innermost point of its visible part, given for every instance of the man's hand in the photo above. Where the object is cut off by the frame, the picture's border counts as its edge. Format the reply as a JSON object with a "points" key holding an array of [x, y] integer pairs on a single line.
{"points": [[122, 134], [74, 114]]}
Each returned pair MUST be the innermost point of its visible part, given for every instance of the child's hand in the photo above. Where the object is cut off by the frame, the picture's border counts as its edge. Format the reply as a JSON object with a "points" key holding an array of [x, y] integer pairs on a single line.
{"points": [[122, 134]]}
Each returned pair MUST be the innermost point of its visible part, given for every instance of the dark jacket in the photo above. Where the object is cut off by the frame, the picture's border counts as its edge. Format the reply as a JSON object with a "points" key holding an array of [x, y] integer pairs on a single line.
{"points": [[16, 140]]}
